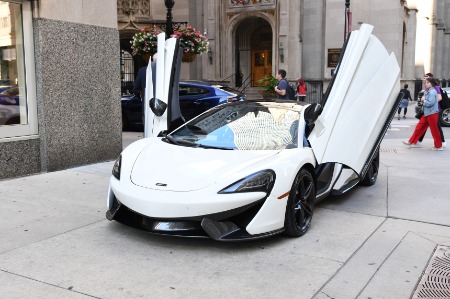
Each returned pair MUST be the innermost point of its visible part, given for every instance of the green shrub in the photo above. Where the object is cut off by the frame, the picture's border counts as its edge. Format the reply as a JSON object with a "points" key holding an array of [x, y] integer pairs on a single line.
{"points": [[269, 86]]}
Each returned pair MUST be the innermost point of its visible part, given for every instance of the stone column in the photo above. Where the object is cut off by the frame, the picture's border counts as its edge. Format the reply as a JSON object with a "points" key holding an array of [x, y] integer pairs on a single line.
{"points": [[446, 60], [438, 53], [409, 52], [312, 35], [433, 32], [293, 54]]}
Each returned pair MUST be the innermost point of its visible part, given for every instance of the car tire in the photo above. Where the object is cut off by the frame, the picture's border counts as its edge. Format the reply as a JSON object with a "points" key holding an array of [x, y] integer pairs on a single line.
{"points": [[444, 117], [300, 204], [372, 173]]}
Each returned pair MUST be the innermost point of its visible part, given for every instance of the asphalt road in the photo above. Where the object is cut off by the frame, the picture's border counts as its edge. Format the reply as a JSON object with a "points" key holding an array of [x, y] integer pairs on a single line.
{"points": [[374, 242]]}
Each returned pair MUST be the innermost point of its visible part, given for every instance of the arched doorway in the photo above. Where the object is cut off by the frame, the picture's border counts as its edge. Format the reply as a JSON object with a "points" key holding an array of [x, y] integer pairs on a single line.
{"points": [[253, 54], [129, 65]]}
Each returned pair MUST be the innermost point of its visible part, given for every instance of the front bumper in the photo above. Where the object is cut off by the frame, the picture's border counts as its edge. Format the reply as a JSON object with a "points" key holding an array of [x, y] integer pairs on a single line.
{"points": [[224, 226]]}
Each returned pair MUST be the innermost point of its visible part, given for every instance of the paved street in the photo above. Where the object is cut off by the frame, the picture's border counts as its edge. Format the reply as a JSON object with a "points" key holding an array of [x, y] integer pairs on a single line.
{"points": [[374, 242]]}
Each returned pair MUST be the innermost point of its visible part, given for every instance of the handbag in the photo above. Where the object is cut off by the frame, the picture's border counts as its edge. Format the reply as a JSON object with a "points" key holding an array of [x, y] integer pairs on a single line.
{"points": [[419, 114]]}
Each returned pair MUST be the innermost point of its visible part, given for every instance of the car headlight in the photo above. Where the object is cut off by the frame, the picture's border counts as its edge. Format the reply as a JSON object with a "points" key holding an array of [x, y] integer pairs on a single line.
{"points": [[261, 181], [116, 168]]}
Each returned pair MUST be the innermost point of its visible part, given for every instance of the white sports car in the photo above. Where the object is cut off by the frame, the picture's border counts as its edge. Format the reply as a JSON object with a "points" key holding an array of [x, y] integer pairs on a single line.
{"points": [[251, 169]]}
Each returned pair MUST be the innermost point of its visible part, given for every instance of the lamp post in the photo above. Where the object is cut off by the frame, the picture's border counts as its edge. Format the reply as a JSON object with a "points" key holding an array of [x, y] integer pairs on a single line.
{"points": [[169, 25], [348, 19]]}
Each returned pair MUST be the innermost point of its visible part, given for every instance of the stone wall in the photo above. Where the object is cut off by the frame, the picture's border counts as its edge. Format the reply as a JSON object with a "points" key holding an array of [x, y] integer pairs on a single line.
{"points": [[19, 158], [78, 93]]}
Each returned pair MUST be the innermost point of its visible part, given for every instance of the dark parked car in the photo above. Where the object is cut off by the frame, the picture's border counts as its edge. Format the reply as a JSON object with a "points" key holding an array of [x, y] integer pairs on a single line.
{"points": [[9, 105], [195, 98], [9, 115], [444, 104], [444, 117]]}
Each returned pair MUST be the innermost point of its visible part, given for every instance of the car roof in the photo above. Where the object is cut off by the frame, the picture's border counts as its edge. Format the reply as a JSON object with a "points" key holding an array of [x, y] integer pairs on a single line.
{"points": [[281, 104], [204, 83], [216, 88], [196, 83]]}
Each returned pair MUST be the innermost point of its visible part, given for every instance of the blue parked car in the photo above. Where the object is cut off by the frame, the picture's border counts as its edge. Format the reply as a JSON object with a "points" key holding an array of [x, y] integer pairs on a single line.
{"points": [[195, 98]]}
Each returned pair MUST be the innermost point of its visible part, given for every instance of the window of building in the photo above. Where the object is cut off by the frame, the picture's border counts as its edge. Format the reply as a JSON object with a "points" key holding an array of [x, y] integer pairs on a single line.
{"points": [[18, 113], [127, 72]]}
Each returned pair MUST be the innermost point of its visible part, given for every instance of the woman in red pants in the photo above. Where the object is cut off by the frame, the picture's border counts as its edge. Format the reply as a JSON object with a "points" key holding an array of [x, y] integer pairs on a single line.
{"points": [[429, 118]]}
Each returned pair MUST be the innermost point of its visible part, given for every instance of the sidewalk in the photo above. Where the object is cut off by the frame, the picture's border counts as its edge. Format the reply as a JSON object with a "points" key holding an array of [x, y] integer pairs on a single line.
{"points": [[374, 242]]}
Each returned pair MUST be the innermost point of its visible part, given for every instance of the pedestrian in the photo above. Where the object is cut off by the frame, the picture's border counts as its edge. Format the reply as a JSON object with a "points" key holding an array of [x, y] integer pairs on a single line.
{"points": [[139, 83], [405, 101], [301, 90], [139, 88], [429, 118], [439, 92], [282, 86]]}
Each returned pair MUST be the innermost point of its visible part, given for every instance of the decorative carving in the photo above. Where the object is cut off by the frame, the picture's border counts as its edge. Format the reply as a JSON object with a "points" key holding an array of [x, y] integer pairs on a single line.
{"points": [[135, 8], [241, 3], [267, 2]]}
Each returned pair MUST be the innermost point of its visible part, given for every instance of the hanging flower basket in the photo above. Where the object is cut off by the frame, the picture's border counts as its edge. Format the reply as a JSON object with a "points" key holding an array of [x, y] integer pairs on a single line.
{"points": [[192, 41], [188, 57], [145, 41]]}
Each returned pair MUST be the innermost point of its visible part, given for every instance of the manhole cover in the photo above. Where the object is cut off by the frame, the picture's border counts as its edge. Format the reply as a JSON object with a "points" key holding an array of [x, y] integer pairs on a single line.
{"points": [[435, 282]]}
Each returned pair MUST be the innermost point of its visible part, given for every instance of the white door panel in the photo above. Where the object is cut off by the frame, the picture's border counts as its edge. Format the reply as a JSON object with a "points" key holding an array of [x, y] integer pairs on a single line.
{"points": [[363, 94], [163, 84], [161, 88], [148, 94]]}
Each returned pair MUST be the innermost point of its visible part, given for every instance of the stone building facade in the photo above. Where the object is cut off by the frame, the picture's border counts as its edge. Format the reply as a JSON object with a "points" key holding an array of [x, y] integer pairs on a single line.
{"points": [[59, 85], [61, 76], [250, 39]]}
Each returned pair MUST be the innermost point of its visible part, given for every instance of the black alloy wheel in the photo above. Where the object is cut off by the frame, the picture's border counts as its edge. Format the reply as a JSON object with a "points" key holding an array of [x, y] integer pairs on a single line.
{"points": [[371, 176], [300, 205], [444, 117]]}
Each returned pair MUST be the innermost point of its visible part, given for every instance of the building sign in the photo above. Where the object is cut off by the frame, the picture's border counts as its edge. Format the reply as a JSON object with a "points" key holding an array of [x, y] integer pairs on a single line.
{"points": [[333, 57]]}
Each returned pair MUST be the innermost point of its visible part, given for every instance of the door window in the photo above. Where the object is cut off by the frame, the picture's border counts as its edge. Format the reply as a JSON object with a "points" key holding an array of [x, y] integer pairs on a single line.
{"points": [[261, 65]]}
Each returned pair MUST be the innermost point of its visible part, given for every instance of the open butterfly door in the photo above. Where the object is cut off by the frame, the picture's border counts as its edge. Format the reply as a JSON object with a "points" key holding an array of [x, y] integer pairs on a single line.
{"points": [[360, 103], [161, 102]]}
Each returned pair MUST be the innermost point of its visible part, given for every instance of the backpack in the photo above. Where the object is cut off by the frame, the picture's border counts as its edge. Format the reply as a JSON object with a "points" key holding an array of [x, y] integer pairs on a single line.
{"points": [[444, 103], [444, 95], [291, 90]]}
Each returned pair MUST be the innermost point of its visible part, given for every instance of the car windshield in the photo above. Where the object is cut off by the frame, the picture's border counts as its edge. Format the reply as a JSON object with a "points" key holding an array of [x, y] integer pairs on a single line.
{"points": [[241, 126]]}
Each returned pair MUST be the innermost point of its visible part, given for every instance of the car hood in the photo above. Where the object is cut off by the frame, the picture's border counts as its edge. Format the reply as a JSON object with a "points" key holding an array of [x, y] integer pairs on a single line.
{"points": [[188, 168]]}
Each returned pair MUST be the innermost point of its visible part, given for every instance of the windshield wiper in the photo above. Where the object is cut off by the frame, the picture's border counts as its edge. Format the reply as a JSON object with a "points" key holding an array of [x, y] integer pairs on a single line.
{"points": [[196, 130], [182, 142], [170, 139], [214, 147]]}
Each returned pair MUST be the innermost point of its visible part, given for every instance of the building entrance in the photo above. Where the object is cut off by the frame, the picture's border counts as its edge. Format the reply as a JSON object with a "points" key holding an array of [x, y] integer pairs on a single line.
{"points": [[253, 44], [261, 65]]}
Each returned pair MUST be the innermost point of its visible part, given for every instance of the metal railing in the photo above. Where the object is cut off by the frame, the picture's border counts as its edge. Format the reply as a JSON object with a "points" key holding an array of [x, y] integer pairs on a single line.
{"points": [[240, 83], [314, 92], [248, 81]]}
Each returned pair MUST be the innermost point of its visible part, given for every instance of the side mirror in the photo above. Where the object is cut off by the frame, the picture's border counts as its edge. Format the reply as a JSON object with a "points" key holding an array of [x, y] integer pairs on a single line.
{"points": [[312, 112], [158, 107]]}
